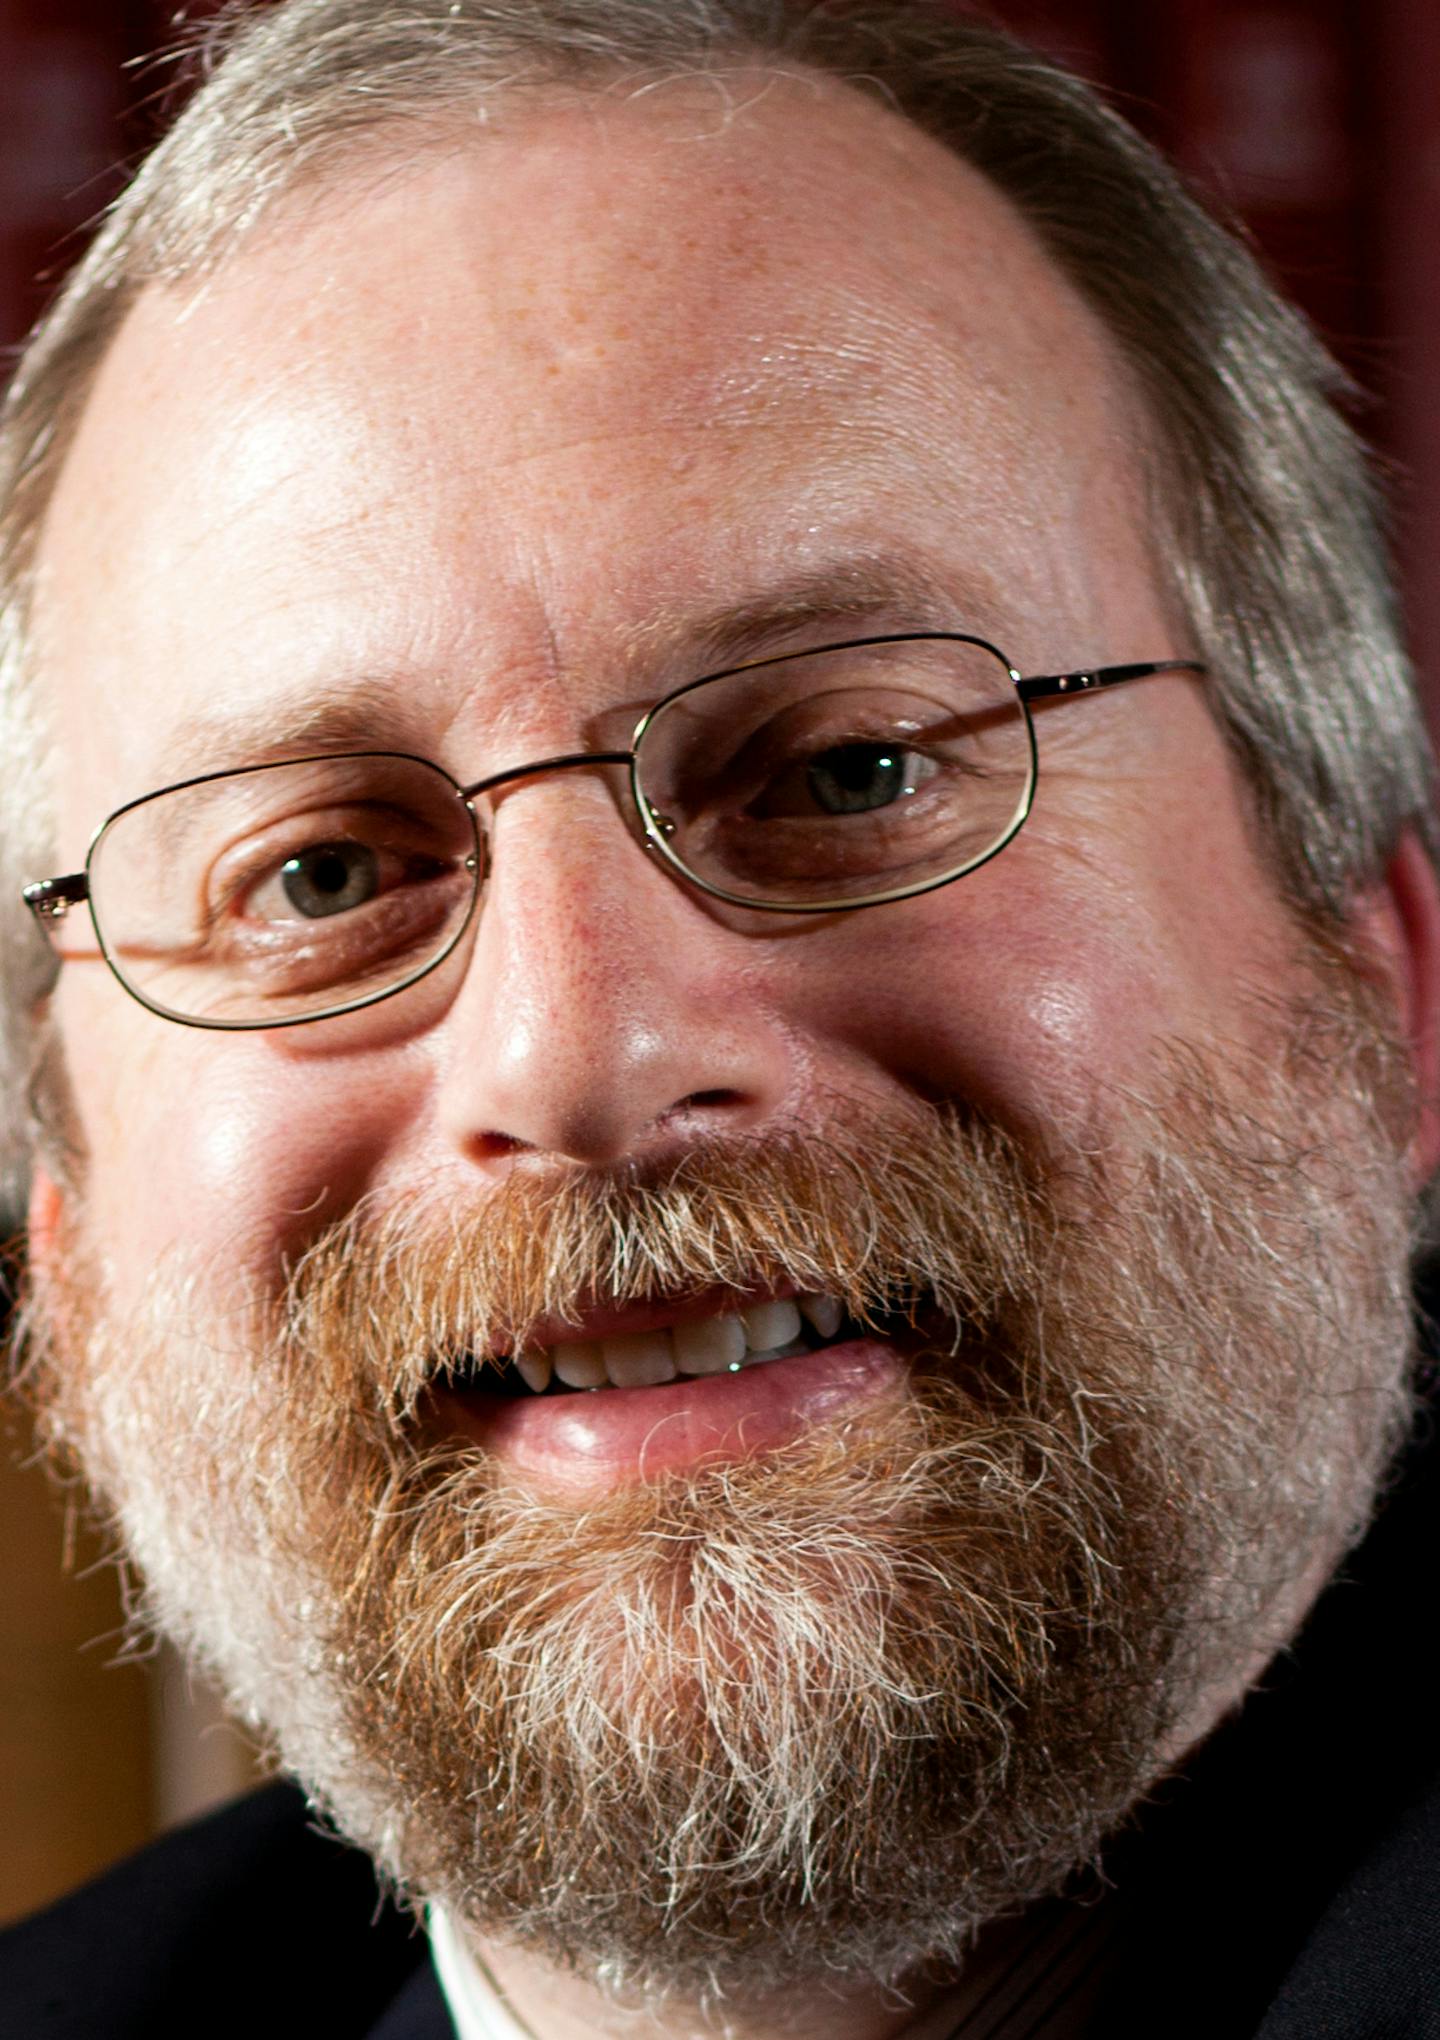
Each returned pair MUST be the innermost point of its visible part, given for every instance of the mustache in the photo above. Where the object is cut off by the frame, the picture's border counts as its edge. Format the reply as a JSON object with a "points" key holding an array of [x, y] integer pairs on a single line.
{"points": [[937, 1221]]}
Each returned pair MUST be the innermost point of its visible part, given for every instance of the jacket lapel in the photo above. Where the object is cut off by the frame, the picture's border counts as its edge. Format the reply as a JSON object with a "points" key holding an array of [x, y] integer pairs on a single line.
{"points": [[418, 2012]]}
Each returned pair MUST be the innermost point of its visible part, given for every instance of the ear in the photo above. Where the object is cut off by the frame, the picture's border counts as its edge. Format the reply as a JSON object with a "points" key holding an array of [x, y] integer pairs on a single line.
{"points": [[1398, 923], [45, 1221]]}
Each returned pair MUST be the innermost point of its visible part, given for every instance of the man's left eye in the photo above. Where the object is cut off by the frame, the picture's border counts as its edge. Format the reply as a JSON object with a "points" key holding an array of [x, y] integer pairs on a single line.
{"points": [[847, 779]]}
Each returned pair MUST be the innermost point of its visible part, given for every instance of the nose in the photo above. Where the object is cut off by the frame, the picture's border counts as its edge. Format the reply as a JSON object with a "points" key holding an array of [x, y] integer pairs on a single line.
{"points": [[605, 1016]]}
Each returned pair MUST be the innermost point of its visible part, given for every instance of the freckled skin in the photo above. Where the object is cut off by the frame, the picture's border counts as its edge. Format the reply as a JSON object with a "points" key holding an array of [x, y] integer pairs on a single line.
{"points": [[494, 428]]}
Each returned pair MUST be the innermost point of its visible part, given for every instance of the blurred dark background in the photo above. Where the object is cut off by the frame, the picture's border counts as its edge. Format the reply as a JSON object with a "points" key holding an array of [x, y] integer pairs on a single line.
{"points": [[1317, 122]]}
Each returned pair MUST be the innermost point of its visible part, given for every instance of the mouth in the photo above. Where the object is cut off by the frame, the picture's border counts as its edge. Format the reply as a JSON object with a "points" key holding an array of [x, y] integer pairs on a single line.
{"points": [[694, 1346], [631, 1395]]}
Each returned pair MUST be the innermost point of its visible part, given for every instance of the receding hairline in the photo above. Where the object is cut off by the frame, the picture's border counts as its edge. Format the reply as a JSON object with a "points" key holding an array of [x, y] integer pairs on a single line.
{"points": [[349, 166], [344, 167], [396, 152]]}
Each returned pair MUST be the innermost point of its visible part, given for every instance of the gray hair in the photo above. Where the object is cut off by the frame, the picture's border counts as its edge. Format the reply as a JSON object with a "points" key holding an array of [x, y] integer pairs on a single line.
{"points": [[1266, 519]]}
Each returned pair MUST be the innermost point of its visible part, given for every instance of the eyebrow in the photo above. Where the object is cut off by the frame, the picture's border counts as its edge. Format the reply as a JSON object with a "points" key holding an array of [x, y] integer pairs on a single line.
{"points": [[857, 593], [363, 714], [854, 592]]}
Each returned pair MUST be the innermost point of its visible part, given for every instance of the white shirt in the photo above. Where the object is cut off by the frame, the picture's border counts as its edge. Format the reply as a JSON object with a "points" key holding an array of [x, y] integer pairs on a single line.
{"points": [[1045, 1993]]}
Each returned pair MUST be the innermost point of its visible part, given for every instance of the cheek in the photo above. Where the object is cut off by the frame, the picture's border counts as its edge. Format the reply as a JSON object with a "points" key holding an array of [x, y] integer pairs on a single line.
{"points": [[1036, 1002], [220, 1146], [1029, 1030]]}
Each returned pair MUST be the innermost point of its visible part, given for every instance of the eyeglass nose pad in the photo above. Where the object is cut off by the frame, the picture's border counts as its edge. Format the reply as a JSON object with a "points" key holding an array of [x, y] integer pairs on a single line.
{"points": [[478, 861]]}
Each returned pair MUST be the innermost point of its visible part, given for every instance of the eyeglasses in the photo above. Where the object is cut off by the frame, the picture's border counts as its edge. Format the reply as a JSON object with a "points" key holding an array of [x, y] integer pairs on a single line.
{"points": [[818, 782]]}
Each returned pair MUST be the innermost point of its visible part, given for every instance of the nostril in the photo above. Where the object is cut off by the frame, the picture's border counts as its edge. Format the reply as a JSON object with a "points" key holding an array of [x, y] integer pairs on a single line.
{"points": [[497, 1147], [696, 1107]]}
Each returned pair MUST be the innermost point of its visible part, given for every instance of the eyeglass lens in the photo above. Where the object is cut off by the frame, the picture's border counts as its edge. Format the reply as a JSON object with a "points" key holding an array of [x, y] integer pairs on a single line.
{"points": [[806, 783], [843, 777], [269, 895]]}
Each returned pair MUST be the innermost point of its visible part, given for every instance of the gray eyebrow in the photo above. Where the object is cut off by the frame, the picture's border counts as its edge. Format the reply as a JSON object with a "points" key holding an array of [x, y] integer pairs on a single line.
{"points": [[853, 589], [363, 714], [376, 711]]}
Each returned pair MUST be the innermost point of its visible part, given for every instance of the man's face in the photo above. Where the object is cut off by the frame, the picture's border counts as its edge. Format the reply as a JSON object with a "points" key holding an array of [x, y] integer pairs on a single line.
{"points": [[499, 441], [476, 462]]}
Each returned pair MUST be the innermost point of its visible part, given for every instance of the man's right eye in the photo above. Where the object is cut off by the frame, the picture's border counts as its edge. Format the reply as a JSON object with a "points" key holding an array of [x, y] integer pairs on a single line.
{"points": [[334, 880], [327, 878], [300, 872]]}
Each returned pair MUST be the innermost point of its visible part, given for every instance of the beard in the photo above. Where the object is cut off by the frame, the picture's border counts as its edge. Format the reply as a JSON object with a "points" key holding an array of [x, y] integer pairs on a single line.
{"points": [[834, 1706]]}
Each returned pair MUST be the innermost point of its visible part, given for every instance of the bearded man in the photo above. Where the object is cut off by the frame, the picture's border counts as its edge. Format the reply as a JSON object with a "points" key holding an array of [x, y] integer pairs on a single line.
{"points": [[728, 1116]]}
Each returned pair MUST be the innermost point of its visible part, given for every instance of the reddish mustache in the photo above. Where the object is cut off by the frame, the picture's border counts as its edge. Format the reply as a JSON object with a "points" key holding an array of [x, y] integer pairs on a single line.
{"points": [[934, 1212]]}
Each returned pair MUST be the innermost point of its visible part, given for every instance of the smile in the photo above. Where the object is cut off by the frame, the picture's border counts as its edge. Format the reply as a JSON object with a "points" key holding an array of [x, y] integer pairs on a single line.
{"points": [[634, 1393], [717, 1342]]}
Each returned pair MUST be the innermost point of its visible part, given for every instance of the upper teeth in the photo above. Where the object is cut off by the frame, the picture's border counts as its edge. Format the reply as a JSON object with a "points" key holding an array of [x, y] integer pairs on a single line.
{"points": [[720, 1344]]}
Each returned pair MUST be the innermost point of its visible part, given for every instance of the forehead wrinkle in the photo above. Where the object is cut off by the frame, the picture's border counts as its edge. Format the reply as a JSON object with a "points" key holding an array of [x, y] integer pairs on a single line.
{"points": [[849, 349]]}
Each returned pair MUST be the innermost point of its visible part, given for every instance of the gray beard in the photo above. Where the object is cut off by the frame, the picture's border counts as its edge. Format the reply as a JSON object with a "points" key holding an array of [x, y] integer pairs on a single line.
{"points": [[834, 1707]]}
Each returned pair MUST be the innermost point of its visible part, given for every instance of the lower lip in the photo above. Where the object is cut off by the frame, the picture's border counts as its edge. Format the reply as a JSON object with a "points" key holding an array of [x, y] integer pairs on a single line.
{"points": [[618, 1434]]}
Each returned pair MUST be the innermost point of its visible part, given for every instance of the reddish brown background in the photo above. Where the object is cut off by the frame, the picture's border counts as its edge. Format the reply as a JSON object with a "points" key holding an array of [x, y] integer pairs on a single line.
{"points": [[1317, 120]]}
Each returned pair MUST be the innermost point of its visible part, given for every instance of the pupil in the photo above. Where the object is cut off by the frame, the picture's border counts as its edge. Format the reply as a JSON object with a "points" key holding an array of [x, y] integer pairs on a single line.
{"points": [[855, 777], [330, 879]]}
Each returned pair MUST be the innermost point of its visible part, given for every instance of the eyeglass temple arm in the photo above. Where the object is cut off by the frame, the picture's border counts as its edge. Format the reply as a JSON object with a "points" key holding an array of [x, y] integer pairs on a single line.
{"points": [[52, 898], [1040, 686]]}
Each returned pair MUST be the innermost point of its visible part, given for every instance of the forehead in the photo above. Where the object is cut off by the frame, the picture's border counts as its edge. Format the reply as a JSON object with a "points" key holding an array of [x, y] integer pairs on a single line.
{"points": [[497, 415]]}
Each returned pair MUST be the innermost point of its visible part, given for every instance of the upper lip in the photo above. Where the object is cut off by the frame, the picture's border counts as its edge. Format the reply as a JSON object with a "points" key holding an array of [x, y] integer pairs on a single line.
{"points": [[607, 1321]]}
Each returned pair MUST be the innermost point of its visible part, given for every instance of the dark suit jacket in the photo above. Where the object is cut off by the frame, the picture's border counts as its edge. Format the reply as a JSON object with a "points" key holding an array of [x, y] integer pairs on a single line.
{"points": [[1285, 1887]]}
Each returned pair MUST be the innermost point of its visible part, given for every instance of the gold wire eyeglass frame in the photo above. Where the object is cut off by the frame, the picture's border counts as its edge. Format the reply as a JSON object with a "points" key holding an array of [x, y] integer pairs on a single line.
{"points": [[51, 899]]}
